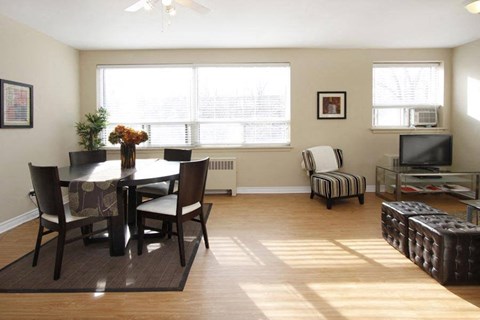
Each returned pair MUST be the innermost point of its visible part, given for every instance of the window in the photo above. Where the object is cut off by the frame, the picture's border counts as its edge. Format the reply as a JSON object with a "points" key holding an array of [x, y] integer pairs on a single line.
{"points": [[401, 88], [194, 106]]}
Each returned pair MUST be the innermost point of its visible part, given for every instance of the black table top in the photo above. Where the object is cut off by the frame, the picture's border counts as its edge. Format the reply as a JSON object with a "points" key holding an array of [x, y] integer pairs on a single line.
{"points": [[146, 171]]}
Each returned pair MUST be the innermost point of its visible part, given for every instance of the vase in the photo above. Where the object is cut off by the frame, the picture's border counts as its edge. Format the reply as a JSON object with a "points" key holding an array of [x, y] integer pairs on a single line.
{"points": [[128, 155]]}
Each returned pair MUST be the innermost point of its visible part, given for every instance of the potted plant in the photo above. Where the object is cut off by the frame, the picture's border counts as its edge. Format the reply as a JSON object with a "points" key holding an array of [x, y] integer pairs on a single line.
{"points": [[89, 130]]}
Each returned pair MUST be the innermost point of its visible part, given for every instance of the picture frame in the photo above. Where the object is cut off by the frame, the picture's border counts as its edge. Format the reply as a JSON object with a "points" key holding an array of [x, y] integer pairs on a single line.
{"points": [[16, 104], [331, 105]]}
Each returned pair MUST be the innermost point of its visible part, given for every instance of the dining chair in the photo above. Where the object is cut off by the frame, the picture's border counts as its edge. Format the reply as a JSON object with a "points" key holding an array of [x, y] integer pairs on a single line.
{"points": [[54, 215], [186, 205], [78, 158], [160, 189]]}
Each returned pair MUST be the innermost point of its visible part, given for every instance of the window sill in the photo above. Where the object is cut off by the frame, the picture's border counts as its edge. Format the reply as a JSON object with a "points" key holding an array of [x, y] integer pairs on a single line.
{"points": [[212, 148], [408, 130]]}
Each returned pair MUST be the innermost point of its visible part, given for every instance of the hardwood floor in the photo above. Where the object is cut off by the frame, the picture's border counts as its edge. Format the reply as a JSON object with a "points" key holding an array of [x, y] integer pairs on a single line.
{"points": [[272, 257]]}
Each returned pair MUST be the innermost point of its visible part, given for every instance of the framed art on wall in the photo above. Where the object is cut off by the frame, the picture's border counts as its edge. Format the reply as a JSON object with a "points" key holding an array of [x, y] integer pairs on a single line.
{"points": [[332, 105], [16, 104]]}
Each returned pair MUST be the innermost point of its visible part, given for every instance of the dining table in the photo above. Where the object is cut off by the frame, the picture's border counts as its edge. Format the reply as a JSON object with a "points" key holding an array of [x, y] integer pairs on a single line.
{"points": [[145, 171]]}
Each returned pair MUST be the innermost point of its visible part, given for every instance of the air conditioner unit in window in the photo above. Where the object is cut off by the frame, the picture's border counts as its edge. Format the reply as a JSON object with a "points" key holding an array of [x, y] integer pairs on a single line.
{"points": [[423, 117]]}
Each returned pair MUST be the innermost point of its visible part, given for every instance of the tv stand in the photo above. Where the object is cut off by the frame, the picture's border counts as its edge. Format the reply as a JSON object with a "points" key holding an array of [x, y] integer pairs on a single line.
{"points": [[430, 169], [393, 182]]}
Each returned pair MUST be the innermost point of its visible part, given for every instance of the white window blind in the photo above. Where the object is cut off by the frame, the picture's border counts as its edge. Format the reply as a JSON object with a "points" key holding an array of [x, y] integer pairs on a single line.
{"points": [[231, 105], [399, 87]]}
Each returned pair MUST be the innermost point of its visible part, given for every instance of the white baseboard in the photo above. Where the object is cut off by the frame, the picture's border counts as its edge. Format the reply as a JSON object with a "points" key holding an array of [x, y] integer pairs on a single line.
{"points": [[260, 190], [303, 189], [21, 219]]}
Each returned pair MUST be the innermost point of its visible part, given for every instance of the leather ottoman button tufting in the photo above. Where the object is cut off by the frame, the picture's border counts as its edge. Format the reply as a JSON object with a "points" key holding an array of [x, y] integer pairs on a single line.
{"points": [[449, 245], [395, 217]]}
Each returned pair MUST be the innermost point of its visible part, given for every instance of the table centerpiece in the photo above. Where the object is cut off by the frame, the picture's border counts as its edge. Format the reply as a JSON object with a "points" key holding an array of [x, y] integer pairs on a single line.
{"points": [[128, 139]]}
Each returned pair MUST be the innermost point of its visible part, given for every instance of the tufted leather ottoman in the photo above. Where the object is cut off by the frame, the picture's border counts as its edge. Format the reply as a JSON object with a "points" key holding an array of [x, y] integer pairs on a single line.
{"points": [[395, 217], [446, 248]]}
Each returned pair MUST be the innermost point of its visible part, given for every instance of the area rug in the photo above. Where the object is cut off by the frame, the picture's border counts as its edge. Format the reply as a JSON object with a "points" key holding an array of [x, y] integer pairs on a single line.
{"points": [[91, 268]]}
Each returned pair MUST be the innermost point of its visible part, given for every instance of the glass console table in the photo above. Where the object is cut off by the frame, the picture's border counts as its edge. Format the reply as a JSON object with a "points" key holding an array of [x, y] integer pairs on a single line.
{"points": [[392, 182]]}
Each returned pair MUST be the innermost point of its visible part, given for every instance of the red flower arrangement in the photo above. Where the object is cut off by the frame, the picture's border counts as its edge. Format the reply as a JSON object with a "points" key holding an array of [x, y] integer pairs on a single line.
{"points": [[125, 135]]}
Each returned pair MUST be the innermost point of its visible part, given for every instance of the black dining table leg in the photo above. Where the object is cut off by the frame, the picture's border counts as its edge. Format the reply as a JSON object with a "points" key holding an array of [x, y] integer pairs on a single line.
{"points": [[119, 229], [132, 206]]}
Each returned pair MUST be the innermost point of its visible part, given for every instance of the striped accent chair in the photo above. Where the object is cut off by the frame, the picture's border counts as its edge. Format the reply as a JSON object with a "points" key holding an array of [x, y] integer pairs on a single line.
{"points": [[333, 184]]}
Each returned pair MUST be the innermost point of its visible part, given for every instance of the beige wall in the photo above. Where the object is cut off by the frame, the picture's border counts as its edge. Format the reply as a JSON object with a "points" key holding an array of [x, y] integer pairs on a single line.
{"points": [[466, 105], [312, 70], [60, 98], [52, 68]]}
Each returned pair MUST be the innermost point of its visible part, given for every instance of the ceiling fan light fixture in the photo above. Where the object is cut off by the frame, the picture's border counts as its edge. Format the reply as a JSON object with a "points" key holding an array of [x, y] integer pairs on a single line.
{"points": [[148, 5], [473, 7], [170, 10]]}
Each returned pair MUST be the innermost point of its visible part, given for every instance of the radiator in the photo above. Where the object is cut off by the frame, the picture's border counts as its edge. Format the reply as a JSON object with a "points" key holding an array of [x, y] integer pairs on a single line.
{"points": [[222, 175]]}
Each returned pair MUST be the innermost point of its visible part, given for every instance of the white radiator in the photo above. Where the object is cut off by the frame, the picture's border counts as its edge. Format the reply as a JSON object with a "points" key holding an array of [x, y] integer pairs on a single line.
{"points": [[222, 175]]}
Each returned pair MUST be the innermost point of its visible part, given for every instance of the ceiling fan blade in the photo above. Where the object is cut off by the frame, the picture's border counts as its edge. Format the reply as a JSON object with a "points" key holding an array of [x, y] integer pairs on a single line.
{"points": [[136, 6], [193, 5]]}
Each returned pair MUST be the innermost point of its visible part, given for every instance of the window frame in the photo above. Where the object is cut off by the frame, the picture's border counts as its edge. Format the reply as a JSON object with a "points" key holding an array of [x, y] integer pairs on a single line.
{"points": [[406, 108], [195, 122]]}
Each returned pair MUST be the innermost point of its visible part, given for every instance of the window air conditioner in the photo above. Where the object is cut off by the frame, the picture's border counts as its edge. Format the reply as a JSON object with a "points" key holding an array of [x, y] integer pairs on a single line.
{"points": [[423, 117]]}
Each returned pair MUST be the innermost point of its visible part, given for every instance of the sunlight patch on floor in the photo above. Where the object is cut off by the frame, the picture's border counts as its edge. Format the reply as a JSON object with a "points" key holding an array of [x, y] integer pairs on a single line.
{"points": [[368, 299], [280, 301], [313, 253], [231, 251], [375, 250], [153, 246]]}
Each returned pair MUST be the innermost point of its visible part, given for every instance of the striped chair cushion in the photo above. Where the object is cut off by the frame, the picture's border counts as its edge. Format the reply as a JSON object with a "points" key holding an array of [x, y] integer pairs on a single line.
{"points": [[337, 184]]}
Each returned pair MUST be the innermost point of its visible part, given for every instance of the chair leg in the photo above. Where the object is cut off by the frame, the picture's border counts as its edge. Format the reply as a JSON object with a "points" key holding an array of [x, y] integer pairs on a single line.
{"points": [[312, 194], [140, 233], [169, 229], [329, 203], [110, 232], [204, 230], [86, 230], [181, 245], [38, 245], [59, 255], [361, 199]]}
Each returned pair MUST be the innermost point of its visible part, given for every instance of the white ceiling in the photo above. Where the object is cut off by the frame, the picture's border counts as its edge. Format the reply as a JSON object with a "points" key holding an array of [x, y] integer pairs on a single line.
{"points": [[103, 24]]}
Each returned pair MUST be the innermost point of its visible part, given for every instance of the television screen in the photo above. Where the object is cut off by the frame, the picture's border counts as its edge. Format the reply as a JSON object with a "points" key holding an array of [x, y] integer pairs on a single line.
{"points": [[423, 150]]}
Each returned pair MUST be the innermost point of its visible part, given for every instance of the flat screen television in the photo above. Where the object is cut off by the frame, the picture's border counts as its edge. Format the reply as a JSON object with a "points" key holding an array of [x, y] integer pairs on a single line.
{"points": [[425, 150]]}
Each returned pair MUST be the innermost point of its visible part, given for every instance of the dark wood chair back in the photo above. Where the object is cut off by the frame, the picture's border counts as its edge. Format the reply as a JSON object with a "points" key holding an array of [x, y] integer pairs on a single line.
{"points": [[177, 155], [155, 190], [46, 184], [78, 158], [191, 188]]}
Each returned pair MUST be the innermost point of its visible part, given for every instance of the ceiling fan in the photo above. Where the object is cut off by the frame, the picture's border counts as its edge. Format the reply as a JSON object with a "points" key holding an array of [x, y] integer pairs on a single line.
{"points": [[168, 6]]}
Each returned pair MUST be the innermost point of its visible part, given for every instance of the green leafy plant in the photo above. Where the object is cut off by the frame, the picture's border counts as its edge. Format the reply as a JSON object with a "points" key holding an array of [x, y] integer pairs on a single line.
{"points": [[89, 130]]}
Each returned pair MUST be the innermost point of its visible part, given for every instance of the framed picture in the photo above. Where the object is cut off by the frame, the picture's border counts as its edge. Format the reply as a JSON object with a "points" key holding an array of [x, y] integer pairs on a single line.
{"points": [[16, 104], [332, 105]]}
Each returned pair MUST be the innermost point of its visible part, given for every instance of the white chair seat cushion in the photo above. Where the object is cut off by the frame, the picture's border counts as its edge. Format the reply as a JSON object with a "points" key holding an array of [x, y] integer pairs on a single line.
{"points": [[156, 188], [167, 205], [68, 215]]}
